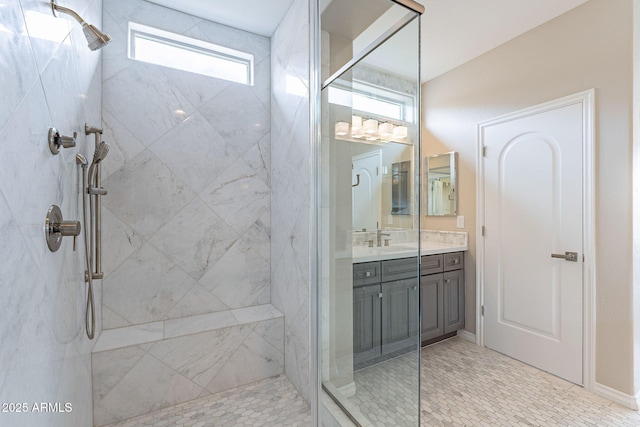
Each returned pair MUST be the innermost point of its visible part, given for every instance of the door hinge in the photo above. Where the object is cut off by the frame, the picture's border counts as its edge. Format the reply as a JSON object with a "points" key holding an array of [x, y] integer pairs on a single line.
{"points": [[484, 151], [482, 310], [377, 171], [483, 231]]}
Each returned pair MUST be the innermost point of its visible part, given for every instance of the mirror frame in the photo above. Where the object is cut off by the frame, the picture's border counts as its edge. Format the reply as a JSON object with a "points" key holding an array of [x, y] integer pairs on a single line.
{"points": [[453, 162]]}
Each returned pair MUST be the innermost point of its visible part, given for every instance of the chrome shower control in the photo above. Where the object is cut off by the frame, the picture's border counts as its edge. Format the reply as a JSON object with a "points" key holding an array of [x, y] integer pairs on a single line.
{"points": [[56, 140], [55, 228]]}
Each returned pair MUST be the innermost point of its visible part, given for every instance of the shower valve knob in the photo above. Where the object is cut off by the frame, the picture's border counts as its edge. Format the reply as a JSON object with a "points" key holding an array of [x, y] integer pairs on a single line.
{"points": [[56, 228], [56, 140]]}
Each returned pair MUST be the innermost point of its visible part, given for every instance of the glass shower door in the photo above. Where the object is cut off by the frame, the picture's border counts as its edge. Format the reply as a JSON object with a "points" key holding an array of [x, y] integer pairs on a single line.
{"points": [[368, 267]]}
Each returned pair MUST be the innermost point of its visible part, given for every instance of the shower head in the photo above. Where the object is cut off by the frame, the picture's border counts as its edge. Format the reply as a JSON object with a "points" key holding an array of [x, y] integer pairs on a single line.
{"points": [[95, 38], [101, 152]]}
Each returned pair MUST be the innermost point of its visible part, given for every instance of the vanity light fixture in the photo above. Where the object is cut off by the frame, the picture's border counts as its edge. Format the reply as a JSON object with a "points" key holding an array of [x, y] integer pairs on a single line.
{"points": [[357, 130], [342, 128], [356, 122], [386, 130], [371, 130], [400, 132], [370, 127]]}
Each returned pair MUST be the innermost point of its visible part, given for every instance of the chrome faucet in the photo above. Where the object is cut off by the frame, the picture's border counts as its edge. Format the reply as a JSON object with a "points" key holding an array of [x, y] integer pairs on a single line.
{"points": [[379, 235]]}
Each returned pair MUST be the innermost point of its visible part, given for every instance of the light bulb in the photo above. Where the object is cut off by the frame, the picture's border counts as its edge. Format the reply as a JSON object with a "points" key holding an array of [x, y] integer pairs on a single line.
{"points": [[356, 123], [371, 127], [342, 128], [400, 132], [386, 130]]}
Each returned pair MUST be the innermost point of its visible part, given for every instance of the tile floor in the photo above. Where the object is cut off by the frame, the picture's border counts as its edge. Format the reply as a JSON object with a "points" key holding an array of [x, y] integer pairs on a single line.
{"points": [[461, 384], [466, 385], [270, 402]]}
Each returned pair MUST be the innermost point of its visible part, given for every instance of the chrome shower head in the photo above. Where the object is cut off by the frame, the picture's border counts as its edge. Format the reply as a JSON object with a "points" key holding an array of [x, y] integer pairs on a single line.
{"points": [[101, 152], [95, 38]]}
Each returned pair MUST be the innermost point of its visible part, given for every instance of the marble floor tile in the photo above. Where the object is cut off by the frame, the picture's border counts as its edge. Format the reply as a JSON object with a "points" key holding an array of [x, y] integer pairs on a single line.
{"points": [[270, 402], [461, 385]]}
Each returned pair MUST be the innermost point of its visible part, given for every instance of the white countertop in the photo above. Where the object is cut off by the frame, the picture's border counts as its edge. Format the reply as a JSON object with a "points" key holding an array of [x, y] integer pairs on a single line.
{"points": [[367, 254]]}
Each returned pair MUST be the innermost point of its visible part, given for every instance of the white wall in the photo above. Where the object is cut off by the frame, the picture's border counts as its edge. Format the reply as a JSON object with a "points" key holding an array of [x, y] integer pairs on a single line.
{"points": [[188, 210], [187, 223], [49, 78], [290, 162], [588, 47]]}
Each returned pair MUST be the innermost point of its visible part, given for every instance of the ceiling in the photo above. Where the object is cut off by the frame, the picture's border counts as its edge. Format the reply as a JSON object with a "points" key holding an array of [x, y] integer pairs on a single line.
{"points": [[256, 16], [456, 31], [453, 31]]}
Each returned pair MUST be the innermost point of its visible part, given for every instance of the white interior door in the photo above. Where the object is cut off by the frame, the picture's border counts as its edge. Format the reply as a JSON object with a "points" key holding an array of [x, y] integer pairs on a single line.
{"points": [[533, 197], [366, 187]]}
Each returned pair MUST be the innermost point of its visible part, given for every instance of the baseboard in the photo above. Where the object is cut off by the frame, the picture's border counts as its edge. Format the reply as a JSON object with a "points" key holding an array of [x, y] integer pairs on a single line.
{"points": [[627, 400], [466, 335]]}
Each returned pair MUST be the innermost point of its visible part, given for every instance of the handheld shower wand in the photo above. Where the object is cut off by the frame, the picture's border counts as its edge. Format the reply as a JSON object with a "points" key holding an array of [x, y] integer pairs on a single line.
{"points": [[90, 313], [95, 190]]}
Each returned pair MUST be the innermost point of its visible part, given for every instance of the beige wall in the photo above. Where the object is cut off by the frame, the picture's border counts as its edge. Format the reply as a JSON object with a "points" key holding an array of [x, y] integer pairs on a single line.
{"points": [[588, 47], [636, 192]]}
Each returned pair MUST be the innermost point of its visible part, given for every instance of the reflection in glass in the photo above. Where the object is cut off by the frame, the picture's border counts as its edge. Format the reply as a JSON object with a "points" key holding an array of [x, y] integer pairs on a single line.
{"points": [[369, 284], [440, 184]]}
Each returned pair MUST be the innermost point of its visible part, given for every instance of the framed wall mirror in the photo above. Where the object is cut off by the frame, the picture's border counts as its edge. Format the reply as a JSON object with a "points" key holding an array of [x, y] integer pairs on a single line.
{"points": [[441, 176]]}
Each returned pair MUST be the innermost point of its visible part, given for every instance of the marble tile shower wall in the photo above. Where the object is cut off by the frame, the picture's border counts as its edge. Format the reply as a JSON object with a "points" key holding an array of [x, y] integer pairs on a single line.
{"points": [[49, 78], [188, 212], [290, 195], [187, 222]]}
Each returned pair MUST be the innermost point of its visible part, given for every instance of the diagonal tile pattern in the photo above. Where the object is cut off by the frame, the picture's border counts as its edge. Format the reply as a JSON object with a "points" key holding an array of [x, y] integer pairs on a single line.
{"points": [[290, 183], [179, 360], [187, 223], [461, 385], [189, 182]]}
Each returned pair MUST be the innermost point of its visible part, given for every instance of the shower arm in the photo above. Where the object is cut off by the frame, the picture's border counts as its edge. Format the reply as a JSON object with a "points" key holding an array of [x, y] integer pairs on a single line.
{"points": [[56, 8]]}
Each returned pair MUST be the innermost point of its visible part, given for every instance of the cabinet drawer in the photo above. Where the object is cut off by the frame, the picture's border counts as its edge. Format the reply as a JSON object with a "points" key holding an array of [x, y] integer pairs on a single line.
{"points": [[430, 264], [396, 269], [453, 261], [366, 273]]}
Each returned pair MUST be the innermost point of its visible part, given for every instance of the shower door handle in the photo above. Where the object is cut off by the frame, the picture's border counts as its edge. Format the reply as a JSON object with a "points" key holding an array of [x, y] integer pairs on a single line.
{"points": [[568, 256]]}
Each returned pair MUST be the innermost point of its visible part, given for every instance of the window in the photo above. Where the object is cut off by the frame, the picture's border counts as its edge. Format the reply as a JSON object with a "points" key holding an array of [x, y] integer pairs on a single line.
{"points": [[374, 100], [171, 50]]}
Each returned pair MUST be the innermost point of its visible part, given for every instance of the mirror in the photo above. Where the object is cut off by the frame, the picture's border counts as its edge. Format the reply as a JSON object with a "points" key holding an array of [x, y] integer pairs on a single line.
{"points": [[440, 184], [400, 181], [382, 186]]}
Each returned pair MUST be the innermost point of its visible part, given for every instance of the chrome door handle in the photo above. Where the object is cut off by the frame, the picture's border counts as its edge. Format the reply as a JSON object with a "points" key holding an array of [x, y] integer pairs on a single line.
{"points": [[568, 256]]}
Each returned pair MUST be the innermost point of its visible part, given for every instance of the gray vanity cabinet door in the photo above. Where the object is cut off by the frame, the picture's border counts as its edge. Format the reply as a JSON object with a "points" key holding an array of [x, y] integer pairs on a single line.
{"points": [[432, 300], [453, 300], [399, 315], [366, 323]]}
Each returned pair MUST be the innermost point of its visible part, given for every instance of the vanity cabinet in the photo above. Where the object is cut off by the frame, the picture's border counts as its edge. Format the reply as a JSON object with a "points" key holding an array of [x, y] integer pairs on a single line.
{"points": [[441, 294], [385, 303]]}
